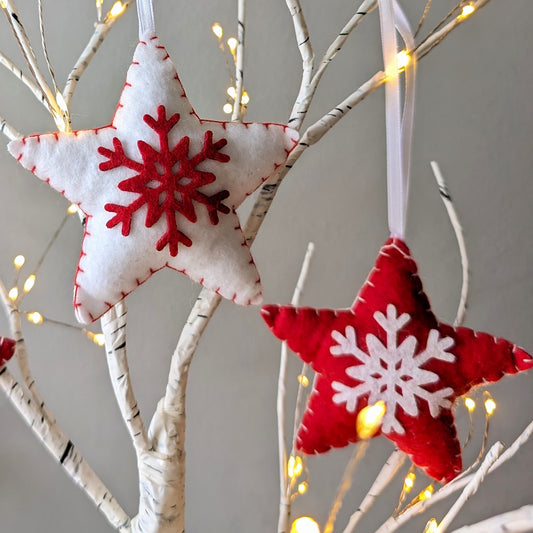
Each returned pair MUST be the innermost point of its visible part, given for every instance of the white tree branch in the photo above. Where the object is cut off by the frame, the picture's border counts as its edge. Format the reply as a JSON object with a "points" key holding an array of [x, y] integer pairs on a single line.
{"points": [[518, 521]]}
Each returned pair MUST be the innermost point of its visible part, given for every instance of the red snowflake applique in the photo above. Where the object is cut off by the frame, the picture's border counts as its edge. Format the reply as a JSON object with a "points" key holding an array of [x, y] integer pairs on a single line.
{"points": [[167, 181]]}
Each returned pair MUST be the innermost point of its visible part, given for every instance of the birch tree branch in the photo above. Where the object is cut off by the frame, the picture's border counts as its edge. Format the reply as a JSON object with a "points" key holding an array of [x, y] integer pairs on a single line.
{"points": [[394, 522], [239, 66], [9, 131], [285, 485], [518, 521], [385, 476], [27, 50], [114, 330], [33, 87], [473, 485], [64, 451], [100, 33]]}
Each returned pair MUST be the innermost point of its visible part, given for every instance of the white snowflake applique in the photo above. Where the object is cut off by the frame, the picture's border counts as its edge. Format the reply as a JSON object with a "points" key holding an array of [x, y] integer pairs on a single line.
{"points": [[392, 373]]}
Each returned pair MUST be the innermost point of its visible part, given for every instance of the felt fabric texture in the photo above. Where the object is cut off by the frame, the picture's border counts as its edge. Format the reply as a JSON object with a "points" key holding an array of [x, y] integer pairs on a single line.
{"points": [[389, 346], [159, 187], [7, 350]]}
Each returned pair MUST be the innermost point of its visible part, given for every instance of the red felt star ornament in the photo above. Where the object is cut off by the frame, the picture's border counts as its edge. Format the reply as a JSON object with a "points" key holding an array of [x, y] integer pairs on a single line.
{"points": [[390, 346], [159, 187], [7, 350]]}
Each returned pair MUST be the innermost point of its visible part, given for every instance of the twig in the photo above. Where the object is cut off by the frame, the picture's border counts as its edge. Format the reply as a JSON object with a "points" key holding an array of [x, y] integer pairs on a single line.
{"points": [[385, 476], [29, 55], [32, 86], [306, 52], [345, 485], [64, 451], [100, 33], [454, 219], [45, 48], [285, 496], [9, 131], [239, 63], [423, 17], [317, 130], [394, 522], [472, 486], [436, 37], [518, 521], [308, 89], [114, 330]]}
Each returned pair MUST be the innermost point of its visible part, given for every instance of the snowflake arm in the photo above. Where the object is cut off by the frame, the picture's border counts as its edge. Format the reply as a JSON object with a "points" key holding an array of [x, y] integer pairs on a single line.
{"points": [[348, 395], [347, 344], [436, 349]]}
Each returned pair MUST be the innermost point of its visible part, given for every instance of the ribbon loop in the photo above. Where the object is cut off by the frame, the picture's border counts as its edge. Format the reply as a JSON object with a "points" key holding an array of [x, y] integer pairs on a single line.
{"points": [[399, 129], [145, 13]]}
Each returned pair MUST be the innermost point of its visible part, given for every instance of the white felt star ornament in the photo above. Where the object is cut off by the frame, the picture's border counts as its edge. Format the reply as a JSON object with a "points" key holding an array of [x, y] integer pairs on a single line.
{"points": [[159, 187]]}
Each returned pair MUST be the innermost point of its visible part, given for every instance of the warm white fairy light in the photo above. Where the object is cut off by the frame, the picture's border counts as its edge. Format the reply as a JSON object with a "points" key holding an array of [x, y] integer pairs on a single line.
{"points": [[426, 493], [403, 59], [29, 283], [232, 44], [35, 317], [369, 419], [490, 406], [467, 11], [19, 261], [409, 481], [72, 209], [305, 524], [295, 466], [228, 109], [245, 100], [2, 5], [232, 92], [302, 487], [470, 404], [303, 380], [217, 30], [117, 9], [97, 338], [13, 293]]}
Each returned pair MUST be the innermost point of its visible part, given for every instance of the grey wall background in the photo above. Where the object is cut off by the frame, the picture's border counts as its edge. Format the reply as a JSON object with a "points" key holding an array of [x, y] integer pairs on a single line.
{"points": [[474, 116]]}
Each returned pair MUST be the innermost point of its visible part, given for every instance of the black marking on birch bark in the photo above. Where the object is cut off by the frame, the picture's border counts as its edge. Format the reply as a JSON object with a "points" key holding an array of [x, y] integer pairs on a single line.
{"points": [[361, 13], [444, 193], [120, 347], [202, 316], [68, 448], [304, 41], [120, 377], [3, 370], [14, 15]]}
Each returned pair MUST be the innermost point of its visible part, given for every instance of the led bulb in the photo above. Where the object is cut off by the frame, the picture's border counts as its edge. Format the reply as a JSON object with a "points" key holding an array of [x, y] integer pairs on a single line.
{"points": [[466, 11], [35, 317], [72, 208], [302, 487], [217, 30], [232, 44], [117, 9], [245, 100], [369, 420], [303, 380], [13, 293], [490, 406], [99, 339], [403, 59], [295, 466], [305, 524], [228, 109], [232, 92], [19, 261], [409, 481], [2, 5], [470, 404], [29, 283], [426, 493]]}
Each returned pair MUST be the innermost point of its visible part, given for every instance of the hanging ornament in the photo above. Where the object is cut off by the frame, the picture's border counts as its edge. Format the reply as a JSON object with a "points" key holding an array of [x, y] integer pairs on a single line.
{"points": [[159, 186], [389, 348], [7, 350]]}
